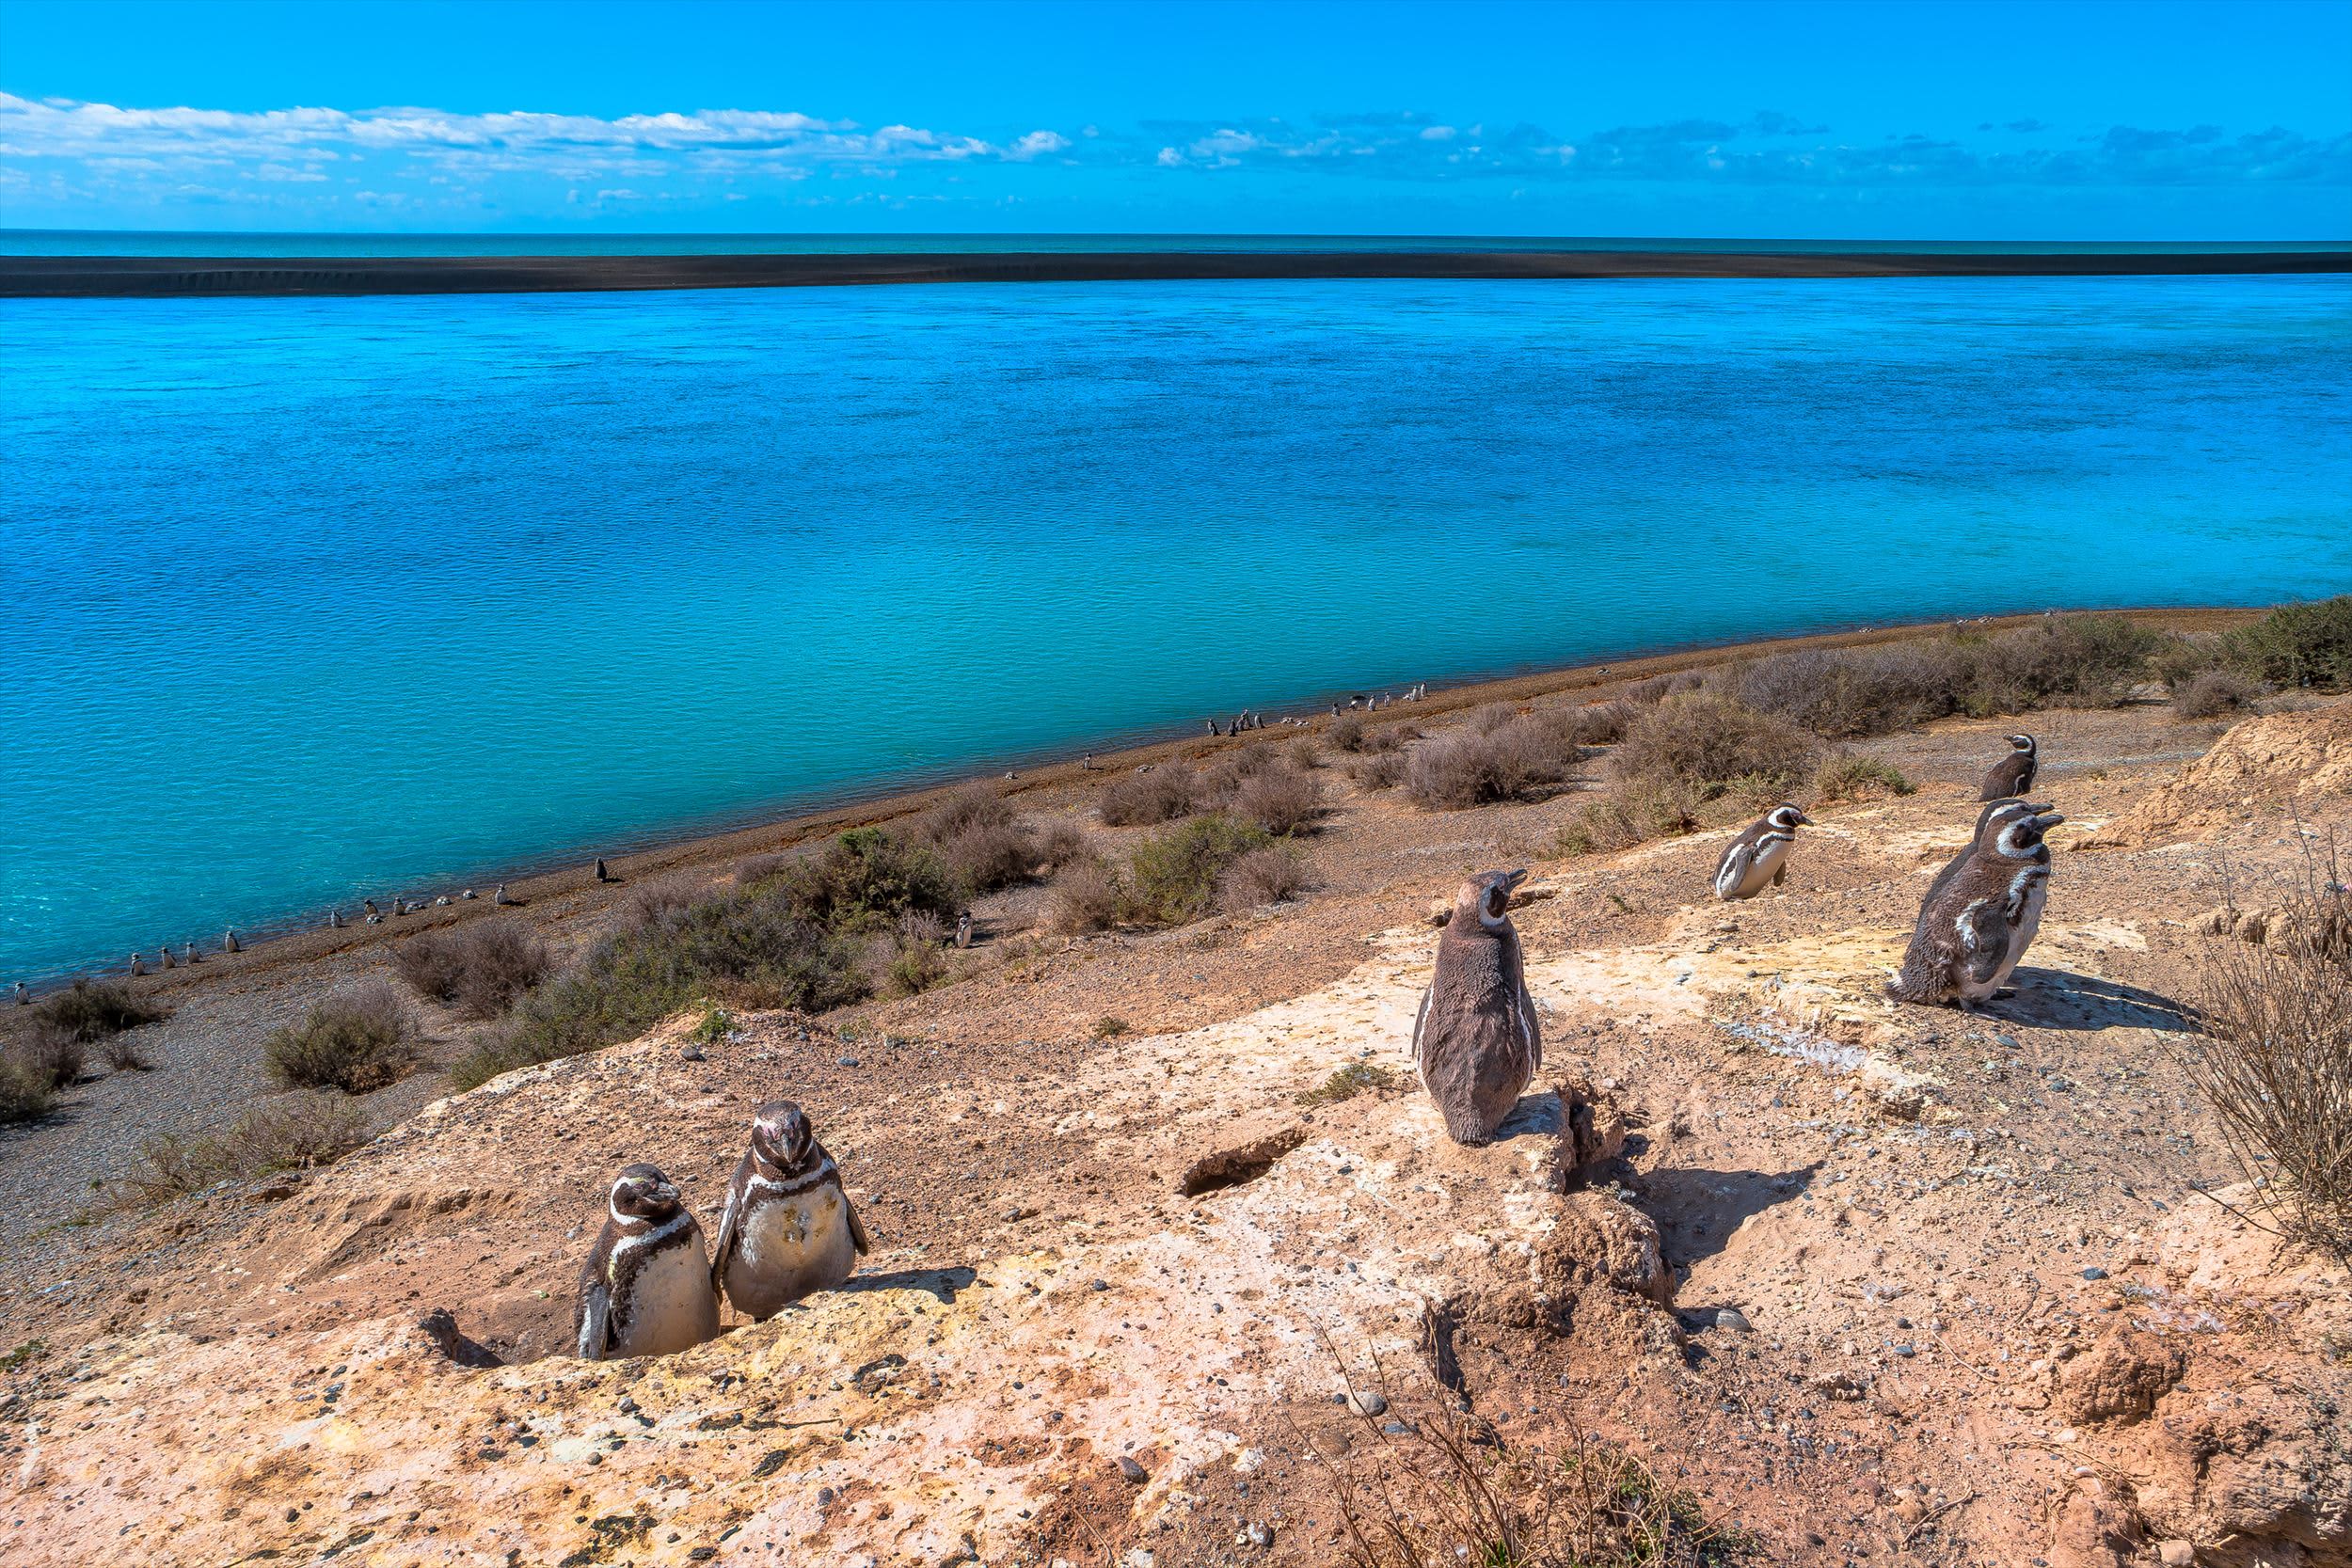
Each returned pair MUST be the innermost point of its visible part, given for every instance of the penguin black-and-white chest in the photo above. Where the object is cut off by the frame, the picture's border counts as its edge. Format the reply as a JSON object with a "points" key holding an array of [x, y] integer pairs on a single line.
{"points": [[792, 1238], [661, 1301], [2019, 910], [1744, 876]]}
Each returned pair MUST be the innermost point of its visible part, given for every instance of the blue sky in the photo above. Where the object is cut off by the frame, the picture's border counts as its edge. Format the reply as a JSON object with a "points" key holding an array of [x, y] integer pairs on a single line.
{"points": [[1800, 120]]}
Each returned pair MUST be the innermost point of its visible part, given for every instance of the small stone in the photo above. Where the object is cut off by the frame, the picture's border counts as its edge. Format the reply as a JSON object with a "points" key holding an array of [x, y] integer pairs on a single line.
{"points": [[2095, 1274], [1396, 1429], [1369, 1404], [847, 1061], [1260, 1535], [695, 1053], [1131, 1472], [1733, 1319], [824, 1496], [1099, 1285], [702, 1554], [2176, 1554]]}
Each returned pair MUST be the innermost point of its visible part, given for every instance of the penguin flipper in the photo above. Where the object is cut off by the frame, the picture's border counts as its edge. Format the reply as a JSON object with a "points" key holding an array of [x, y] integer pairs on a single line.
{"points": [[595, 1322], [1734, 869], [1990, 947], [730, 1226], [857, 1227], [1780, 873]]}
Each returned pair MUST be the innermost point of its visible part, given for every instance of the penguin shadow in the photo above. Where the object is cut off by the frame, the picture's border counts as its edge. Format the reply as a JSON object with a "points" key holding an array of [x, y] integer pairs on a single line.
{"points": [[942, 1284], [2056, 999], [1697, 1210]]}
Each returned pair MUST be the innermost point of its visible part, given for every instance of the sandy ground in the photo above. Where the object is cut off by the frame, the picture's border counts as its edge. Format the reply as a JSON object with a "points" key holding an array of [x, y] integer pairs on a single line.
{"points": [[1993, 1316]]}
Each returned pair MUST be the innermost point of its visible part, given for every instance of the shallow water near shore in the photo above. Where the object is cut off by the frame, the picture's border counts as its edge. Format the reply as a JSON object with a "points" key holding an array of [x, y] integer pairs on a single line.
{"points": [[312, 600]]}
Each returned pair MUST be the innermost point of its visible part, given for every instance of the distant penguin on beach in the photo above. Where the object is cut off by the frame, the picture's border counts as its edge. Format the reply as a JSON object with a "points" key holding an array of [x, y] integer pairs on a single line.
{"points": [[1979, 919], [368, 904], [466, 896], [23, 994], [498, 897], [1759, 857], [164, 952], [334, 920], [187, 955], [138, 965], [963, 930], [603, 875], [2013, 774], [1476, 1041], [229, 942]]}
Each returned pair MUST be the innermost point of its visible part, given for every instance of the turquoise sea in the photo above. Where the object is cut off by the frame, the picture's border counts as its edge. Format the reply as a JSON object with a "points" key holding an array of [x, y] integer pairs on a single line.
{"points": [[307, 599]]}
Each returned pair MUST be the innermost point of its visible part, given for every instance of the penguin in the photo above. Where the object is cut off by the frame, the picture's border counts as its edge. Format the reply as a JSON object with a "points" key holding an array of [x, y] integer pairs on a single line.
{"points": [[788, 1228], [963, 930], [645, 1289], [603, 875], [229, 942], [138, 965], [1475, 1042], [1213, 729], [498, 897], [2013, 774], [23, 994], [442, 902], [2001, 809], [166, 950], [1979, 916], [1759, 856], [187, 955], [334, 920], [369, 904], [467, 897]]}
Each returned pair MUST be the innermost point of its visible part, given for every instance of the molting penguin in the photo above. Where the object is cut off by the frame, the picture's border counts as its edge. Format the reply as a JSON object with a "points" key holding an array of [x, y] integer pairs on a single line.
{"points": [[789, 1227], [2013, 774], [1475, 1042], [1759, 857], [1980, 915], [1993, 810], [645, 1289]]}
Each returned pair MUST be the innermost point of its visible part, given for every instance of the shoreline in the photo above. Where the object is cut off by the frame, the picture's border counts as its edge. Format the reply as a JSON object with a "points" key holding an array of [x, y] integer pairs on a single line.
{"points": [[184, 276], [561, 894]]}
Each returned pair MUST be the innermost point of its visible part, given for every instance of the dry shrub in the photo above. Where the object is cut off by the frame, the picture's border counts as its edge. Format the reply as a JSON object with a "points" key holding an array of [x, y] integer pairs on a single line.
{"points": [[1499, 755], [26, 1092], [1059, 843], [1649, 693], [1442, 1489], [1175, 873], [1860, 691], [2275, 1060], [1346, 733], [1849, 777], [919, 956], [1264, 875], [295, 1133], [90, 1011], [1086, 896], [2213, 693], [481, 968], [981, 838], [1281, 800], [662, 901], [357, 1042], [121, 1053], [54, 1055], [1143, 799], [1599, 723], [1634, 812], [1381, 771], [1708, 742]]}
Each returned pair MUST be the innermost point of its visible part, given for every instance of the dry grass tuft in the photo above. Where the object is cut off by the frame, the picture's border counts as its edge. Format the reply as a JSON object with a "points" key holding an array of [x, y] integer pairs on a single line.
{"points": [[1281, 800], [1348, 1082], [1499, 754], [2212, 693], [481, 968], [1441, 1488], [297, 1134], [91, 1011], [26, 1092], [1848, 777], [1086, 897], [1140, 799], [357, 1042], [1267, 875], [2274, 1061]]}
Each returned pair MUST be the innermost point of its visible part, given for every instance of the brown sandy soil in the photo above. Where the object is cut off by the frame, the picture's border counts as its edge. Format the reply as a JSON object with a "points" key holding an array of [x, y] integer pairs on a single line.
{"points": [[1992, 1319]]}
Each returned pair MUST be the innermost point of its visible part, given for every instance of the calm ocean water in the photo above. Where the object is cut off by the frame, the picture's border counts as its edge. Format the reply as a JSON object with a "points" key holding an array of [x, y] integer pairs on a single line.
{"points": [[311, 599]]}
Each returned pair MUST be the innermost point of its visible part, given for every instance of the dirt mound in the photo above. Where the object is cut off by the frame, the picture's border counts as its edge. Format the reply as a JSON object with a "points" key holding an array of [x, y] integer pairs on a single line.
{"points": [[2279, 764]]}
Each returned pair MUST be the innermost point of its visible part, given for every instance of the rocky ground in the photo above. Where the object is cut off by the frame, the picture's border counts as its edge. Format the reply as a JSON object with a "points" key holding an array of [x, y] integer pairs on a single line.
{"points": [[1875, 1285]]}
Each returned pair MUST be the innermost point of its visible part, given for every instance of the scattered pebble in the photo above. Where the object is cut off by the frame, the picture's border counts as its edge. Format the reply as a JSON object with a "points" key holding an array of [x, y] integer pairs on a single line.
{"points": [[1731, 1318], [1131, 1472], [2095, 1274], [1368, 1403]]}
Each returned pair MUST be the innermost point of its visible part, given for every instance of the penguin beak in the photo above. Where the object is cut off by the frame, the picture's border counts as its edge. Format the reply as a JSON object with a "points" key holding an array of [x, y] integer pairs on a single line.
{"points": [[2047, 820], [1511, 879], [1804, 820]]}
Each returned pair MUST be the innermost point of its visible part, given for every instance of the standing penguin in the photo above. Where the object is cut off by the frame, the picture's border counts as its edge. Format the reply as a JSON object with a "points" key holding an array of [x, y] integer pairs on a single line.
{"points": [[1993, 810], [2013, 774], [1475, 1043], [23, 994], [229, 942], [1979, 916], [645, 1289], [788, 1228], [1759, 857]]}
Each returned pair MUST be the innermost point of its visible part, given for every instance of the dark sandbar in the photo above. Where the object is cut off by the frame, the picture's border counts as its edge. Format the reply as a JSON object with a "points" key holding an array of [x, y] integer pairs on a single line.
{"points": [[162, 277]]}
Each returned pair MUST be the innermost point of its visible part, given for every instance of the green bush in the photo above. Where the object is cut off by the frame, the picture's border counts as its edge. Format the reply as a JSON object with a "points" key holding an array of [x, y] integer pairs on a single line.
{"points": [[26, 1092], [2297, 644], [1175, 873], [865, 879], [1848, 777]]}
